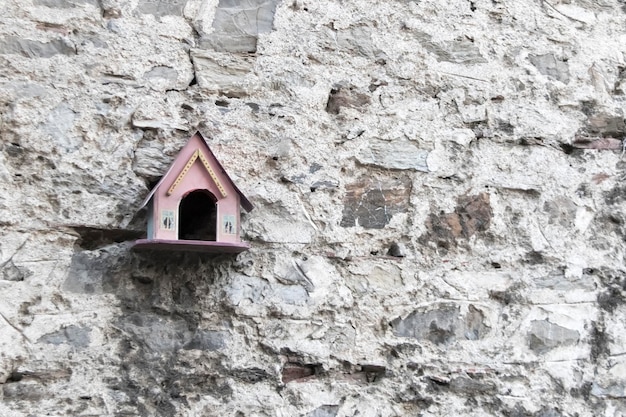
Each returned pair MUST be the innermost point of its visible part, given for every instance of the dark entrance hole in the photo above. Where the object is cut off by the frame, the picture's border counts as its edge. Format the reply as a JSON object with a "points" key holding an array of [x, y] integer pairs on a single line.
{"points": [[197, 216]]}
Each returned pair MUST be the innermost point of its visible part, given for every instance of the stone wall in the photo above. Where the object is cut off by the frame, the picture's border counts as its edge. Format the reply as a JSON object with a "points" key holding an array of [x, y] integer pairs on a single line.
{"points": [[440, 210]]}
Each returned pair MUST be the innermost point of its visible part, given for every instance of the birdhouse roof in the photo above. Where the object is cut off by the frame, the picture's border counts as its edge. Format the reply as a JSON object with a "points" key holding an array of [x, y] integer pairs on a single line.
{"points": [[245, 203]]}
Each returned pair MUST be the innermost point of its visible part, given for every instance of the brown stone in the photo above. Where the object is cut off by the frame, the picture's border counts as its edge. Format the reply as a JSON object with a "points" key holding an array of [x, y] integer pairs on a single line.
{"points": [[345, 97], [295, 371], [372, 203], [606, 125], [475, 213], [472, 215], [454, 223]]}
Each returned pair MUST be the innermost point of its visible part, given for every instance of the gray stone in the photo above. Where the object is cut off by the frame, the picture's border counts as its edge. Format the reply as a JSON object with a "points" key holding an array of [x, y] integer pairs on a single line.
{"points": [[250, 375], [548, 412], [27, 89], [222, 73], [207, 340], [553, 68], [65, 4], [35, 49], [357, 40], [10, 272], [474, 324], [544, 336], [613, 390], [324, 185], [96, 41], [561, 211], [459, 51], [291, 294], [296, 276], [439, 325], [354, 40], [324, 411], [77, 336], [24, 391], [237, 24], [394, 155], [114, 26], [165, 73], [244, 289], [161, 8], [58, 126], [278, 222], [559, 281], [157, 333], [150, 160], [471, 386]]}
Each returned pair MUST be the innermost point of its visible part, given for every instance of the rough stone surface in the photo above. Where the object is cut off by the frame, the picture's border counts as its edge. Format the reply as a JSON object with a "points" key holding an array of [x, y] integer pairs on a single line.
{"points": [[439, 218], [238, 24]]}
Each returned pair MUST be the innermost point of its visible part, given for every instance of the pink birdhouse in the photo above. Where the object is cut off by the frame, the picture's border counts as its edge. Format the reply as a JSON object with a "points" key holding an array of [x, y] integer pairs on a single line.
{"points": [[195, 206]]}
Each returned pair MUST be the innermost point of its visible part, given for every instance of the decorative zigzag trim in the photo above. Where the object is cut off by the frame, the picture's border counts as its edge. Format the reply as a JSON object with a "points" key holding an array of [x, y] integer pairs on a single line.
{"points": [[197, 154]]}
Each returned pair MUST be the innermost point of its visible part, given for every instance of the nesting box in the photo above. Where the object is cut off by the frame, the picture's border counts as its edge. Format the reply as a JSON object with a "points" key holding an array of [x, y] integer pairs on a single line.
{"points": [[196, 206]]}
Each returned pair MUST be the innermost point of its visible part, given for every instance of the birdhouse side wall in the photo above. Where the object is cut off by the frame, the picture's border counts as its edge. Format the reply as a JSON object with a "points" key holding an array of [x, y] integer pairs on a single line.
{"points": [[150, 218], [228, 219]]}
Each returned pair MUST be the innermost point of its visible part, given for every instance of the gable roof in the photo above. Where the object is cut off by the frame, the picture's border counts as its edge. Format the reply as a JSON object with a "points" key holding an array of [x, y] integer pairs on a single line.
{"points": [[245, 203], [205, 163]]}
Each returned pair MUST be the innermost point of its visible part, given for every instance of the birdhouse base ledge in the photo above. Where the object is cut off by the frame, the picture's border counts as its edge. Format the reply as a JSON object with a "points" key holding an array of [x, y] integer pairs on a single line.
{"points": [[190, 246]]}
